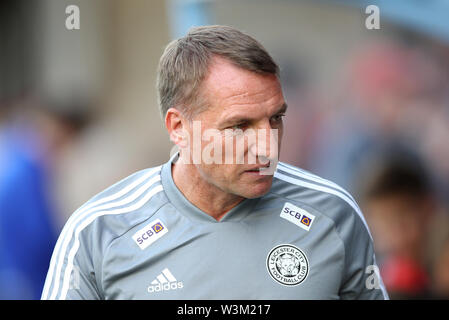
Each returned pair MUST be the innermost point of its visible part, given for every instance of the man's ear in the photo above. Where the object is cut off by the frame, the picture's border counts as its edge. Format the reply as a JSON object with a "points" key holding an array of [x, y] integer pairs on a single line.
{"points": [[175, 123]]}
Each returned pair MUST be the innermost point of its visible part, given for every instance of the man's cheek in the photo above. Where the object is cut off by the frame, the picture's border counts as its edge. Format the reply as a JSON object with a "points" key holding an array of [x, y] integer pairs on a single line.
{"points": [[228, 148], [240, 147]]}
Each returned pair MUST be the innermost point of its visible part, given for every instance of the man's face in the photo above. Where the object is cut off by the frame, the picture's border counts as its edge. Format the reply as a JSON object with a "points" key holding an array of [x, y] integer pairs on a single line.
{"points": [[244, 115]]}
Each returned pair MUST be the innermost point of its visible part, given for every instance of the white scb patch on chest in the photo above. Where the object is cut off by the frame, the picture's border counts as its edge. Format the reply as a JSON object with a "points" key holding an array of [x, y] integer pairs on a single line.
{"points": [[298, 216], [150, 233]]}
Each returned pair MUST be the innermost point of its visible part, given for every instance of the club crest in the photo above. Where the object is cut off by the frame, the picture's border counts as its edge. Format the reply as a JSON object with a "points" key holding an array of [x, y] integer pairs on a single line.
{"points": [[287, 265]]}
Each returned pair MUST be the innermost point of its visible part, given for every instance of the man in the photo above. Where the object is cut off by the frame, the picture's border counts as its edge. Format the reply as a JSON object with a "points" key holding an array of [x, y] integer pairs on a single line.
{"points": [[216, 221]]}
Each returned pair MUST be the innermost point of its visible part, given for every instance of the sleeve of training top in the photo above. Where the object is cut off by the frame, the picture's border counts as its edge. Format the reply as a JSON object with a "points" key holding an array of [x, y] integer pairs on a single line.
{"points": [[72, 275], [76, 265], [361, 279]]}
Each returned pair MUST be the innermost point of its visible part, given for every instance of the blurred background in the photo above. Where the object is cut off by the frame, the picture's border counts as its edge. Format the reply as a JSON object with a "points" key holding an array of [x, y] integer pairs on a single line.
{"points": [[368, 109]]}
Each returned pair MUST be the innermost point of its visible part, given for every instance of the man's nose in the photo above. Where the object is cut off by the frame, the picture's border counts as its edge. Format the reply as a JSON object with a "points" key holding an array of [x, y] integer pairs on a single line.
{"points": [[265, 146]]}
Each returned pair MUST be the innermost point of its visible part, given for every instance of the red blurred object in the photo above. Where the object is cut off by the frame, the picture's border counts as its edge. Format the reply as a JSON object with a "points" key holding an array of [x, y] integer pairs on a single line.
{"points": [[405, 276]]}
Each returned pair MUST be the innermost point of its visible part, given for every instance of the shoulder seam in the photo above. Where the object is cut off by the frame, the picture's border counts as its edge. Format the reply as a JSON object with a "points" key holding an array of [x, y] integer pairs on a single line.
{"points": [[149, 217], [310, 185], [83, 215], [334, 227], [97, 214], [123, 233], [306, 175]]}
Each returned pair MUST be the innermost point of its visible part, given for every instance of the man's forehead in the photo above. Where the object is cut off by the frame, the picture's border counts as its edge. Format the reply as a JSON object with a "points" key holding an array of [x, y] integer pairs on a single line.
{"points": [[222, 70], [228, 85]]}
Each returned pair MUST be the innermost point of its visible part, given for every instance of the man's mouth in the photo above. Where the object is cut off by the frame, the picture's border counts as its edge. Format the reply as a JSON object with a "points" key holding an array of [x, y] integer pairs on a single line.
{"points": [[258, 168]]}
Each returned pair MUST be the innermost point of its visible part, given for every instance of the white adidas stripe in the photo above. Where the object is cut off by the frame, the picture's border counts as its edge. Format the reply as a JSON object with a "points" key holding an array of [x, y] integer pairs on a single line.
{"points": [[161, 279], [74, 219], [345, 198], [64, 240], [72, 226], [302, 183], [300, 173], [89, 220], [169, 275]]}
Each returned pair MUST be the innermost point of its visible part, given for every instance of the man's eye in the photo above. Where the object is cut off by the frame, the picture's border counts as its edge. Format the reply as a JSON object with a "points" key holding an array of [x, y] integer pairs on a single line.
{"points": [[240, 126], [277, 118]]}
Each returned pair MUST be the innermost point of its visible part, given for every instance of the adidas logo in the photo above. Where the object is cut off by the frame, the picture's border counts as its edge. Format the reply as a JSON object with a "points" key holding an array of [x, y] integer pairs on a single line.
{"points": [[164, 282]]}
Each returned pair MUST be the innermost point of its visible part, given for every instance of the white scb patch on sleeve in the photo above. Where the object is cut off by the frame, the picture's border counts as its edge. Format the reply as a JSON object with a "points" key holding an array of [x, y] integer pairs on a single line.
{"points": [[150, 233], [298, 216]]}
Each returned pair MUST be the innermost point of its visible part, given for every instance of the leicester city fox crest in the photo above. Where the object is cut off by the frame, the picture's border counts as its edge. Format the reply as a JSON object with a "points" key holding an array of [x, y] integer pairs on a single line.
{"points": [[287, 265]]}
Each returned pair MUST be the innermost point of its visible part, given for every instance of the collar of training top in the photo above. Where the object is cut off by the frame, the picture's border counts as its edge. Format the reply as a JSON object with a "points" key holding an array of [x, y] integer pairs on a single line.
{"points": [[189, 209]]}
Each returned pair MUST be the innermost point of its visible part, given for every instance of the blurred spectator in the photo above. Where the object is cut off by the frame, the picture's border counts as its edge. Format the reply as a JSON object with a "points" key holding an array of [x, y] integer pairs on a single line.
{"points": [[399, 206], [31, 137], [388, 91], [439, 256], [441, 272], [304, 105]]}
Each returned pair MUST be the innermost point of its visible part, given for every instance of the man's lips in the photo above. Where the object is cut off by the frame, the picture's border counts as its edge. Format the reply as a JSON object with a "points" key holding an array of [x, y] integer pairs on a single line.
{"points": [[257, 168]]}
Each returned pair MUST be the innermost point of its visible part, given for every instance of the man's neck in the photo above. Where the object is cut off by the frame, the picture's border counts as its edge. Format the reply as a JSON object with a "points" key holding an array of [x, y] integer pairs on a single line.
{"points": [[205, 196]]}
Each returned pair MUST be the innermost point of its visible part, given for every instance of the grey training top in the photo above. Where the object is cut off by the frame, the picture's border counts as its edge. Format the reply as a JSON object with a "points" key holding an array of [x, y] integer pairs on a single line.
{"points": [[142, 239]]}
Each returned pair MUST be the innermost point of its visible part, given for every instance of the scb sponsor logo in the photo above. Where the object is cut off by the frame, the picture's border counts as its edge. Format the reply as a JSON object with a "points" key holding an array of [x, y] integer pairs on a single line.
{"points": [[298, 216], [165, 287], [150, 233]]}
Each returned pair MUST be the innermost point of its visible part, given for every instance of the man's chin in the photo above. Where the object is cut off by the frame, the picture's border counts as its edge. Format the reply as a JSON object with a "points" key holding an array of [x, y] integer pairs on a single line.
{"points": [[257, 190]]}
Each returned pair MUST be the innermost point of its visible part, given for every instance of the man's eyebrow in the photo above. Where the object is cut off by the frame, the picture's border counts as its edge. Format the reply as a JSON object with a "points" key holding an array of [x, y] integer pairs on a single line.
{"points": [[283, 108], [242, 119], [235, 120]]}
